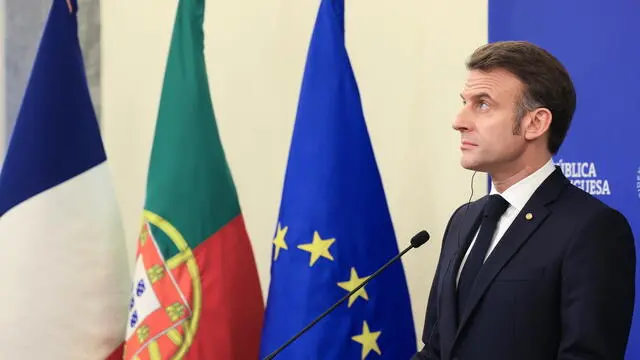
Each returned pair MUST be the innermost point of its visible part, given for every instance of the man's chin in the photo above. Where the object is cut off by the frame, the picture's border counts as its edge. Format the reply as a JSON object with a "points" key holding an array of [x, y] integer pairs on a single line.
{"points": [[471, 165]]}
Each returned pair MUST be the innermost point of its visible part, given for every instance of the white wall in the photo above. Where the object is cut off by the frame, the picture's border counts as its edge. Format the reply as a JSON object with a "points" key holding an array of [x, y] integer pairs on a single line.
{"points": [[408, 57]]}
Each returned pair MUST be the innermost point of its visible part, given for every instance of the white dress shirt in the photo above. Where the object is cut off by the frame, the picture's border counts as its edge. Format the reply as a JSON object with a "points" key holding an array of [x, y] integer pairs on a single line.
{"points": [[517, 196]]}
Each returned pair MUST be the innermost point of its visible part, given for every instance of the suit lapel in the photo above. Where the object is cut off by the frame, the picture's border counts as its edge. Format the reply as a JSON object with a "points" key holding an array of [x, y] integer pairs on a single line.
{"points": [[528, 220], [459, 242], [518, 234]]}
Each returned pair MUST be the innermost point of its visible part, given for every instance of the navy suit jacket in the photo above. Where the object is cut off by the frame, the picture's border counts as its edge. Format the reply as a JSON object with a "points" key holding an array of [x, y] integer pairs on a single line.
{"points": [[560, 284]]}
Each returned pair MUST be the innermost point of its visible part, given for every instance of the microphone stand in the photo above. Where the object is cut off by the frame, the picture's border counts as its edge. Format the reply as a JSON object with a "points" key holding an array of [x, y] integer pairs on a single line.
{"points": [[306, 328]]}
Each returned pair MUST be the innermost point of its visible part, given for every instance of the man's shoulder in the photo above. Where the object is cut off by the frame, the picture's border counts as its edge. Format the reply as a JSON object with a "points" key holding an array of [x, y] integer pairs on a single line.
{"points": [[593, 224], [578, 202], [577, 205]]}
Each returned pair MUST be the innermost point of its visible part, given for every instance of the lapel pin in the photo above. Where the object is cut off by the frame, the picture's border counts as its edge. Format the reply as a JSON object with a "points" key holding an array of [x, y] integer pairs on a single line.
{"points": [[529, 216]]}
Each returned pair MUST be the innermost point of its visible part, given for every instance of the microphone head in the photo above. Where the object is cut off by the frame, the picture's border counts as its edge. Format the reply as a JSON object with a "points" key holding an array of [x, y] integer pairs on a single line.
{"points": [[420, 238]]}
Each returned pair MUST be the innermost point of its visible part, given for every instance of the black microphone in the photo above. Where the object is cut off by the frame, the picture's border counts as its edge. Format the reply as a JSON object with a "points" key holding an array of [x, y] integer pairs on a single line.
{"points": [[416, 241]]}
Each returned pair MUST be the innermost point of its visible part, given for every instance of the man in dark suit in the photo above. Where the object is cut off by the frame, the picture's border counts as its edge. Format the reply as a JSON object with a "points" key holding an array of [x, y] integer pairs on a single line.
{"points": [[538, 269]]}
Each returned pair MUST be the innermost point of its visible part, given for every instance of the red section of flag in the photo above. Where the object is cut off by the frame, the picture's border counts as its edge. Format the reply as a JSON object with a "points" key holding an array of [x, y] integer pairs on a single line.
{"points": [[232, 306], [117, 354]]}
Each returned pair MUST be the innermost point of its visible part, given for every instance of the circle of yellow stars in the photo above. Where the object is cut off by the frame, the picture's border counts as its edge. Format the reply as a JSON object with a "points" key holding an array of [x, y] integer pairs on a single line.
{"points": [[320, 248]]}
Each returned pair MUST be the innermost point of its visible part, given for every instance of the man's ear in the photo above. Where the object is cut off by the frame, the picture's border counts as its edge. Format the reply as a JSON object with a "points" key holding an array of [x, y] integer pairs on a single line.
{"points": [[538, 123]]}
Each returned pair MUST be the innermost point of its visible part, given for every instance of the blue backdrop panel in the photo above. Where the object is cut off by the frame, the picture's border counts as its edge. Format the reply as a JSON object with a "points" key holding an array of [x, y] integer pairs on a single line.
{"points": [[599, 43]]}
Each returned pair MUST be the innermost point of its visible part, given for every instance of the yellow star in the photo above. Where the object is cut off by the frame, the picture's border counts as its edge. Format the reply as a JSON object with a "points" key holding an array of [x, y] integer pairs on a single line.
{"points": [[369, 340], [279, 241], [353, 283], [318, 248]]}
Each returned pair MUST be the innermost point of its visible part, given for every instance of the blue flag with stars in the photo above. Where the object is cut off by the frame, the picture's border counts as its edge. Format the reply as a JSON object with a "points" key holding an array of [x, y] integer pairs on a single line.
{"points": [[334, 228]]}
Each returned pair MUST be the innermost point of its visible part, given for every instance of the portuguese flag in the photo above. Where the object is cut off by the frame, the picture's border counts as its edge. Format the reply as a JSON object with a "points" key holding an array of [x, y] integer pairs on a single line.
{"points": [[196, 292]]}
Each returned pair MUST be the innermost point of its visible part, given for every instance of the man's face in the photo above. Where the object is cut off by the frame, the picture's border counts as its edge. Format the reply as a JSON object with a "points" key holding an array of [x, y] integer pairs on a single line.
{"points": [[487, 119]]}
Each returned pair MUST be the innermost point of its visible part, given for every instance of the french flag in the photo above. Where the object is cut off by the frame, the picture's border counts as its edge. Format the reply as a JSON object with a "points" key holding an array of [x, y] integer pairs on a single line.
{"points": [[64, 273]]}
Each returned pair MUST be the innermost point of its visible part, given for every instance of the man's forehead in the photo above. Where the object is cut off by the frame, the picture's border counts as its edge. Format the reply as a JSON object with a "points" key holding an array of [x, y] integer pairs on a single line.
{"points": [[492, 82]]}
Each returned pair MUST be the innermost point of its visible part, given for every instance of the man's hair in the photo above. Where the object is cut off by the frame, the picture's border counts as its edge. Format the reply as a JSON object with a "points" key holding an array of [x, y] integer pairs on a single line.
{"points": [[546, 82]]}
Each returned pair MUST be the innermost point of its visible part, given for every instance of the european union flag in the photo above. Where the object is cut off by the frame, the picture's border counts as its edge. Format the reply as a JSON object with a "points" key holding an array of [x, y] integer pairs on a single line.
{"points": [[334, 228]]}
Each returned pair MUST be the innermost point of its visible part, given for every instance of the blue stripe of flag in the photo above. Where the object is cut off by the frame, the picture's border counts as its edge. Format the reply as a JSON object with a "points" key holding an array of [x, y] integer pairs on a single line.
{"points": [[56, 135]]}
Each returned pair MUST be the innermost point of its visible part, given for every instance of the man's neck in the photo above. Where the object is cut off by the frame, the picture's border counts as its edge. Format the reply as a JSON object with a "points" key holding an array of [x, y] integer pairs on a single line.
{"points": [[502, 180]]}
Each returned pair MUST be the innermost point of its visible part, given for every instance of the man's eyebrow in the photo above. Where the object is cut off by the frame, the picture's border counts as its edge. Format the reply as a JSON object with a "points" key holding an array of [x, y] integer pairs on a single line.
{"points": [[478, 96]]}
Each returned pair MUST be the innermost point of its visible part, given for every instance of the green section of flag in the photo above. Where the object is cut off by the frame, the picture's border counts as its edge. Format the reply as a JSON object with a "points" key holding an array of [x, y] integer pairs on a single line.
{"points": [[189, 183]]}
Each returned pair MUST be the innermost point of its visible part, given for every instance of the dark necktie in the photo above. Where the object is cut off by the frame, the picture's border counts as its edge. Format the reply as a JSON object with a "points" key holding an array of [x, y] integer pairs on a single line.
{"points": [[493, 210]]}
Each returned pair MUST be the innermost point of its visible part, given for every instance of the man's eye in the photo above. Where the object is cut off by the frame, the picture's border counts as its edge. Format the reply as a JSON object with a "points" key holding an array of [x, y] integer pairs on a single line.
{"points": [[483, 105]]}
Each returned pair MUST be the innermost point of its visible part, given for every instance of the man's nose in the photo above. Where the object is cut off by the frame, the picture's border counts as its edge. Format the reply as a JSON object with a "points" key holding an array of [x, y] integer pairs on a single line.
{"points": [[461, 121]]}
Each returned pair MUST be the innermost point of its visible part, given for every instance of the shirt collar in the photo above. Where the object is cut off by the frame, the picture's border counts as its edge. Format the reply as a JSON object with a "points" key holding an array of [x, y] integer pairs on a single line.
{"points": [[519, 193]]}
